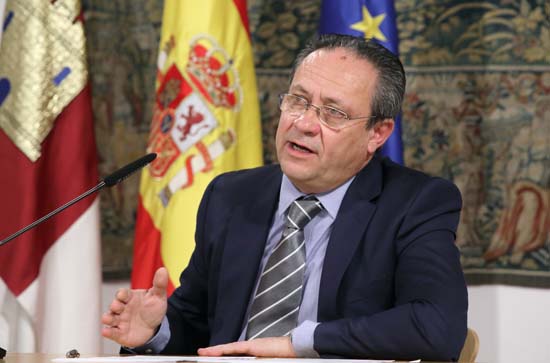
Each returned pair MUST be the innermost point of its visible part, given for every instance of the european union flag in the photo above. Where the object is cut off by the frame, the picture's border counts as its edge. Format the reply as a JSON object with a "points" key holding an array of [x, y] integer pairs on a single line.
{"points": [[370, 19]]}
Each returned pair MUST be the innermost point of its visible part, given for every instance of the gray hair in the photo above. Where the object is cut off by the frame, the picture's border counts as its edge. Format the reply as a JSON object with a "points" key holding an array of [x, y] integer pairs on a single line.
{"points": [[390, 88]]}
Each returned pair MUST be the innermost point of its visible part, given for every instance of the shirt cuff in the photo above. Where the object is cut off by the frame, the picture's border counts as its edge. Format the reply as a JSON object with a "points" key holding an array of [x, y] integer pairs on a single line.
{"points": [[302, 340], [157, 343]]}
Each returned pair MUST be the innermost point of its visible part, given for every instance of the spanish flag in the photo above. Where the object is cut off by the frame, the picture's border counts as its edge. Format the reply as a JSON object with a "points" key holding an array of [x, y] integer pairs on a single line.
{"points": [[206, 121]]}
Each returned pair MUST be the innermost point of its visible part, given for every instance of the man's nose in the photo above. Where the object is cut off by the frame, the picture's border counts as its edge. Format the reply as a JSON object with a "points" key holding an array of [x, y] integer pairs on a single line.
{"points": [[308, 122]]}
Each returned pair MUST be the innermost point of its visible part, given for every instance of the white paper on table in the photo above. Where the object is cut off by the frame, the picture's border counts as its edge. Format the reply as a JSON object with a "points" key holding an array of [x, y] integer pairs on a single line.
{"points": [[151, 359], [310, 360], [226, 359]]}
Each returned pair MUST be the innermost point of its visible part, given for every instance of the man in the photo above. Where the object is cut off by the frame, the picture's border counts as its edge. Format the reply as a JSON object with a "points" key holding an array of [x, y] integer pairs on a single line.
{"points": [[378, 275]]}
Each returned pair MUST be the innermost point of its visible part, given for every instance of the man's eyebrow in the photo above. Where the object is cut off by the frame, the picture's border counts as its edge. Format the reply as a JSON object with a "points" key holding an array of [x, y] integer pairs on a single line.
{"points": [[334, 101], [299, 89], [326, 100]]}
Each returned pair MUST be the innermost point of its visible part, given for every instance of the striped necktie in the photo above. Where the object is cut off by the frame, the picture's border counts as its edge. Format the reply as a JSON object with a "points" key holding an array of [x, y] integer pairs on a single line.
{"points": [[275, 307]]}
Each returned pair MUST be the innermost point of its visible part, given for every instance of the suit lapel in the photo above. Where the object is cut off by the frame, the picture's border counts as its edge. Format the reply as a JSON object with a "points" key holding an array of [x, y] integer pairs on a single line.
{"points": [[355, 212], [248, 228]]}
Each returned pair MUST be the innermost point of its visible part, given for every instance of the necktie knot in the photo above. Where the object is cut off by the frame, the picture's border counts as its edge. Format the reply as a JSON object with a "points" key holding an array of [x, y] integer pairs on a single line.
{"points": [[301, 211]]}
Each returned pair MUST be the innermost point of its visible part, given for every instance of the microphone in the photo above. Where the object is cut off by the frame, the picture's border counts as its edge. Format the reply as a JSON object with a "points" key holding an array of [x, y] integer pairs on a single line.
{"points": [[108, 181], [127, 170]]}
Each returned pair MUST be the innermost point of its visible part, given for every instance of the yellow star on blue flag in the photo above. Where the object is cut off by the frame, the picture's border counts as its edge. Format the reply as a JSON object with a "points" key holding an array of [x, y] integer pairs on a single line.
{"points": [[370, 25]]}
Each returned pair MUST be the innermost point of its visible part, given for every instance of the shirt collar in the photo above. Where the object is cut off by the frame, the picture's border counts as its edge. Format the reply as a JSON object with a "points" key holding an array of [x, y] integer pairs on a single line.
{"points": [[331, 200]]}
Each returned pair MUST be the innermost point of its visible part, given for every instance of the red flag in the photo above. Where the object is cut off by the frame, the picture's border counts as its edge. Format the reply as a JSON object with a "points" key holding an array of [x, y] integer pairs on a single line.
{"points": [[50, 276]]}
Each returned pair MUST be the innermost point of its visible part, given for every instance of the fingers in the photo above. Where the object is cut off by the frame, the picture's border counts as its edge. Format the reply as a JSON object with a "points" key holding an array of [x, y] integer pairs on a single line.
{"points": [[123, 295], [237, 348], [277, 347], [117, 306], [214, 351], [112, 317], [110, 327], [160, 283], [111, 333], [109, 319]]}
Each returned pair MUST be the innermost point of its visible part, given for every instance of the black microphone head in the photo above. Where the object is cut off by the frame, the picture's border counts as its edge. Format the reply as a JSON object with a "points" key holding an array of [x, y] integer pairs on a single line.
{"points": [[127, 170]]}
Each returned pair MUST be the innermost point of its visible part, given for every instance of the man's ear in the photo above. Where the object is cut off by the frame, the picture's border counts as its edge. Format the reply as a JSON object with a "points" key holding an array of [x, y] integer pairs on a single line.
{"points": [[379, 133]]}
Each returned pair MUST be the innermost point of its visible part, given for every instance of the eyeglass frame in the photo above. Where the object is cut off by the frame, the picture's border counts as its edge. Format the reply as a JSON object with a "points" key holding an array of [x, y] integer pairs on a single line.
{"points": [[318, 111]]}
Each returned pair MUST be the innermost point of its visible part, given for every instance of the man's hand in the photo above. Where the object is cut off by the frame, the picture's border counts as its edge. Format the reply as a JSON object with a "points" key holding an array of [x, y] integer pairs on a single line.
{"points": [[279, 347], [134, 315]]}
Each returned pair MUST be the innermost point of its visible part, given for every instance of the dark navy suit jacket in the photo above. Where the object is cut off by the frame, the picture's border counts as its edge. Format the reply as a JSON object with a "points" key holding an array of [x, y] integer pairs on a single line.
{"points": [[391, 287]]}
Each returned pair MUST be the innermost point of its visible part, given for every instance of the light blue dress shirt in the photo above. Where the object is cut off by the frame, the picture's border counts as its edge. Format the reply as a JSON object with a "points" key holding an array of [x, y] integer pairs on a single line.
{"points": [[317, 233]]}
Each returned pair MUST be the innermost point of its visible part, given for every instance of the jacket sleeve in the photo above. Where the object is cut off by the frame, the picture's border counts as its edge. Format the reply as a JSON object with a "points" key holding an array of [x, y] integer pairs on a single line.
{"points": [[428, 320]]}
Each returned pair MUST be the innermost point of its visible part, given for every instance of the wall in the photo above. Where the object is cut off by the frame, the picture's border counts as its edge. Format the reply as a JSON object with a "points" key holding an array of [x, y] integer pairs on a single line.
{"points": [[512, 322]]}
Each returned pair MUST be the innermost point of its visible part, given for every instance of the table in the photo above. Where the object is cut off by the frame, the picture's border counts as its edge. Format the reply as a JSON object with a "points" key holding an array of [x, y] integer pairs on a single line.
{"points": [[46, 358]]}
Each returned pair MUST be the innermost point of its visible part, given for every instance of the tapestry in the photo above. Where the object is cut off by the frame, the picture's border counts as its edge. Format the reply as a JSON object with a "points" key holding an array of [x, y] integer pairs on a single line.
{"points": [[123, 38], [476, 111]]}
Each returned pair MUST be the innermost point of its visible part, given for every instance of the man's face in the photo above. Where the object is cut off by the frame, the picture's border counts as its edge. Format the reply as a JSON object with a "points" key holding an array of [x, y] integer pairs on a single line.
{"points": [[317, 158]]}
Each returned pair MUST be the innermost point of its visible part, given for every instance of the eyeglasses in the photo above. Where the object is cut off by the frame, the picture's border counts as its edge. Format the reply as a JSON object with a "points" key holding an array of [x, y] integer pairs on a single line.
{"points": [[331, 117]]}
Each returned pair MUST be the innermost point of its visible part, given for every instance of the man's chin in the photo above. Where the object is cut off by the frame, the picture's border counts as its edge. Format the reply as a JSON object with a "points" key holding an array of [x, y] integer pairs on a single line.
{"points": [[296, 171]]}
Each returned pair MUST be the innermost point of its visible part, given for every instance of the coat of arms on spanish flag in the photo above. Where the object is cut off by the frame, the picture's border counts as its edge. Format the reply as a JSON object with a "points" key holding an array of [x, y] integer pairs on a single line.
{"points": [[206, 121]]}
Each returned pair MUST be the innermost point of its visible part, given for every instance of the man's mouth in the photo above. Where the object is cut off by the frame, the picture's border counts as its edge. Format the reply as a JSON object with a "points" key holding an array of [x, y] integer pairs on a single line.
{"points": [[300, 148]]}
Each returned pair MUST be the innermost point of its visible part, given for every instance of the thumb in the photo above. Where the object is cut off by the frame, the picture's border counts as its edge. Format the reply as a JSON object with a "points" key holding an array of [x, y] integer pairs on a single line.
{"points": [[160, 283]]}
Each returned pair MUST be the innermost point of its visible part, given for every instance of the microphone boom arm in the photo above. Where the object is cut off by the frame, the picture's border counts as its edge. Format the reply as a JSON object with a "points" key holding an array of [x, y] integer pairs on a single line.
{"points": [[109, 181], [68, 204]]}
